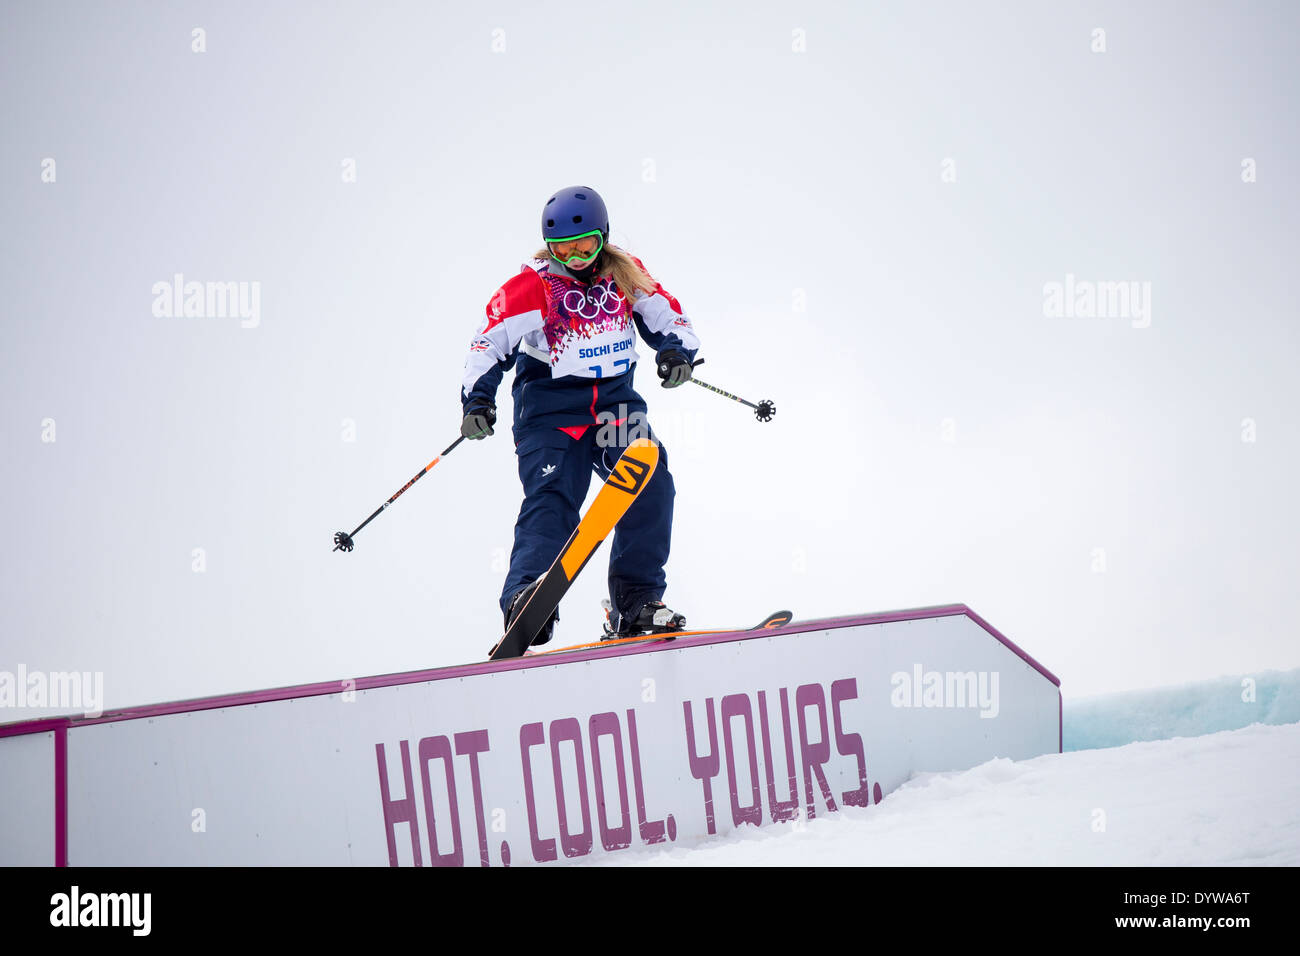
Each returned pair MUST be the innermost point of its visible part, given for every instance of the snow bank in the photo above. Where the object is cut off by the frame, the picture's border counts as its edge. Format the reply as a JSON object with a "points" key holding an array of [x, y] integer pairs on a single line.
{"points": [[1187, 710]]}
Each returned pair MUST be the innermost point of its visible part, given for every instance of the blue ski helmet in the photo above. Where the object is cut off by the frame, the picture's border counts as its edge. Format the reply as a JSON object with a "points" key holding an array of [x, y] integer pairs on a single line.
{"points": [[573, 211]]}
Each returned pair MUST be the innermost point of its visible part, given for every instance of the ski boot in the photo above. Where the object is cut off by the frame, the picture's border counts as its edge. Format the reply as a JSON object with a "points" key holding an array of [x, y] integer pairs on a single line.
{"points": [[653, 618], [517, 603]]}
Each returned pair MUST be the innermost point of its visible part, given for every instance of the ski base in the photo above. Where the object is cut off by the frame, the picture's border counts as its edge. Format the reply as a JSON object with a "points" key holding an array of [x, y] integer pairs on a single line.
{"points": [[772, 621]]}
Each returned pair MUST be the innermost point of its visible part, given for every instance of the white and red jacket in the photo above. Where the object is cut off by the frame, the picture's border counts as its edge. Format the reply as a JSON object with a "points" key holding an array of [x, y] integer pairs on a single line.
{"points": [[573, 345]]}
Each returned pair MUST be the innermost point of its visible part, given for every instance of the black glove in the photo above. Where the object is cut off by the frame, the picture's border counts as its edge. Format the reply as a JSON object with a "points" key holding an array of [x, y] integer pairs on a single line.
{"points": [[674, 368], [478, 422]]}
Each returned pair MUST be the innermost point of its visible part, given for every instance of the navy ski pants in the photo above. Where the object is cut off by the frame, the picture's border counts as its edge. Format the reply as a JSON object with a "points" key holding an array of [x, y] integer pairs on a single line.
{"points": [[556, 473]]}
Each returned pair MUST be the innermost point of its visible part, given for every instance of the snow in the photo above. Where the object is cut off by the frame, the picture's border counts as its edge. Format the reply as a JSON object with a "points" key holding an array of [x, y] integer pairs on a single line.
{"points": [[1220, 797], [1228, 798]]}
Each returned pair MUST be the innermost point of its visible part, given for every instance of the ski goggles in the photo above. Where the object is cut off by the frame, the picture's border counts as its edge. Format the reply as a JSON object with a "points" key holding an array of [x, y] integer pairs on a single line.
{"points": [[577, 250]]}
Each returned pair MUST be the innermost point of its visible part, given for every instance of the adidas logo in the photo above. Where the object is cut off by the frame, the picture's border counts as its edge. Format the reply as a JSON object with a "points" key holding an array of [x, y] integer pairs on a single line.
{"points": [[547, 469]]}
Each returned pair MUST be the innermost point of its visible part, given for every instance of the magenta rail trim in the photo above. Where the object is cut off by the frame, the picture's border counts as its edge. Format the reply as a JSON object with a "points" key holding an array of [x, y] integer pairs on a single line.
{"points": [[518, 663]]}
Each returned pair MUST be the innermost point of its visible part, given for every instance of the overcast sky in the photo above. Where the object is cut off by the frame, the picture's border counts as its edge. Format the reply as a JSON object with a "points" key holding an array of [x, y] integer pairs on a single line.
{"points": [[889, 218]]}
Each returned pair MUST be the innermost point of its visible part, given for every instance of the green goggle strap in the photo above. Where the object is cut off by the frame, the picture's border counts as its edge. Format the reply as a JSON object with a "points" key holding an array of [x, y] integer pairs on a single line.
{"points": [[572, 259]]}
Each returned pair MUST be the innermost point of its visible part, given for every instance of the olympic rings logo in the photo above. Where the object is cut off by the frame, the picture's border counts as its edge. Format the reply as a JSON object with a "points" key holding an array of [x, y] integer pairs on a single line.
{"points": [[590, 304]]}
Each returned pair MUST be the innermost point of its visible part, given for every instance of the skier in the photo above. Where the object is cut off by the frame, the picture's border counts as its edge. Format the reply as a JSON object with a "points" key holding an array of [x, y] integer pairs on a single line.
{"points": [[568, 323]]}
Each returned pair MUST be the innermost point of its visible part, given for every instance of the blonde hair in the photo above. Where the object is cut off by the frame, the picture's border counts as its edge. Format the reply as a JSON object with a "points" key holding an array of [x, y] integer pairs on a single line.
{"points": [[628, 276]]}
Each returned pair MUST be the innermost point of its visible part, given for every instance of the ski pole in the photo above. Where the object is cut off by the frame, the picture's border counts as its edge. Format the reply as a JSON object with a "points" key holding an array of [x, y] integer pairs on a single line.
{"points": [[343, 540], [763, 411]]}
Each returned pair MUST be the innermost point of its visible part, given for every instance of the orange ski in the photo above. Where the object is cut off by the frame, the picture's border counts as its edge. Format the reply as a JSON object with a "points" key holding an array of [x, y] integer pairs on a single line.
{"points": [[625, 481]]}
